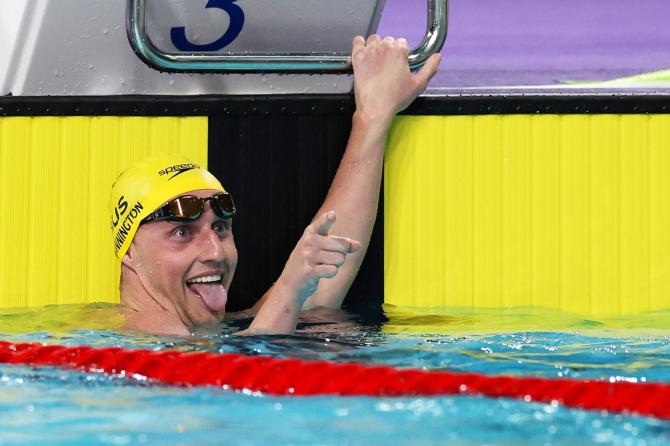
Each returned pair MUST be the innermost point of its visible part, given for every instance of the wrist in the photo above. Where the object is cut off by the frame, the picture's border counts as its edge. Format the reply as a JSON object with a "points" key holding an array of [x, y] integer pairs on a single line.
{"points": [[373, 120], [291, 296], [278, 314]]}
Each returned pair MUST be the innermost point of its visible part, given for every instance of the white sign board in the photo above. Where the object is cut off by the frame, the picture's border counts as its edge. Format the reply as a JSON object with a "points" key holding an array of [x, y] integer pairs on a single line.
{"points": [[80, 47]]}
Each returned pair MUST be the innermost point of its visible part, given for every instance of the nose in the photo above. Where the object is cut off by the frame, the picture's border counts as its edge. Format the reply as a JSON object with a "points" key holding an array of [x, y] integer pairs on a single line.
{"points": [[211, 246]]}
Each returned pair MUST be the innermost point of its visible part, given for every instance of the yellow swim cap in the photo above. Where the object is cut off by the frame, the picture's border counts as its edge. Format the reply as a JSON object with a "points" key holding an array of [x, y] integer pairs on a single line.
{"points": [[145, 186]]}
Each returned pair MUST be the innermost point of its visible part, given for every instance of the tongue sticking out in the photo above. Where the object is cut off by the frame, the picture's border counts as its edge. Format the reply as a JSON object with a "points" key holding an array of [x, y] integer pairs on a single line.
{"points": [[213, 294]]}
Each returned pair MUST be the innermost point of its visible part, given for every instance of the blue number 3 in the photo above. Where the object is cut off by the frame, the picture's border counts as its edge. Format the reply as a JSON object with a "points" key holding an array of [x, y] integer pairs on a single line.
{"points": [[178, 33]]}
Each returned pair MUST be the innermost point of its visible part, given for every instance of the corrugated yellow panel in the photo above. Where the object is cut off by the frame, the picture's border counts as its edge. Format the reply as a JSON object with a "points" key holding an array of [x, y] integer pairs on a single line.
{"points": [[545, 196], [575, 181], [635, 213], [487, 181], [14, 232], [458, 191], [55, 178], [605, 218], [659, 212], [559, 211], [516, 189]]}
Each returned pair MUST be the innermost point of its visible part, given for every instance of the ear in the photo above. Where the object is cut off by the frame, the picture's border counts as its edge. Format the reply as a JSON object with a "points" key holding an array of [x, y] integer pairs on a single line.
{"points": [[129, 257]]}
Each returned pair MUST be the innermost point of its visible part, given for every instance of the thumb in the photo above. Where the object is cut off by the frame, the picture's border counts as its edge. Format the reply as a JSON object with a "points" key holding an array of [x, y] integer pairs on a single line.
{"points": [[428, 70], [323, 223]]}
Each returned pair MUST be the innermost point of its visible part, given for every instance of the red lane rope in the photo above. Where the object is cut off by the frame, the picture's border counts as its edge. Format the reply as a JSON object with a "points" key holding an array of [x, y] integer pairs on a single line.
{"points": [[299, 377]]}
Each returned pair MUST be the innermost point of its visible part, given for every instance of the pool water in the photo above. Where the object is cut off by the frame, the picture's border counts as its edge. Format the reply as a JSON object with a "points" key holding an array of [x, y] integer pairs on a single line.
{"points": [[47, 406]]}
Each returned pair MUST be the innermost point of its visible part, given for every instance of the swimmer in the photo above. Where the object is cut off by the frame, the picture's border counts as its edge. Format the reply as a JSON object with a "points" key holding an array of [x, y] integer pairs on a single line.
{"points": [[172, 220]]}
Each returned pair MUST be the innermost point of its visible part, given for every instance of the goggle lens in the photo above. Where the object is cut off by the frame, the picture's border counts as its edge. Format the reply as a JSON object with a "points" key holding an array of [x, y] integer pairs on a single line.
{"points": [[190, 208]]}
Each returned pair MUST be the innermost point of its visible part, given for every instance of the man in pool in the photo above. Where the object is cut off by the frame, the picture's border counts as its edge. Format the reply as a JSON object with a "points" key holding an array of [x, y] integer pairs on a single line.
{"points": [[172, 220]]}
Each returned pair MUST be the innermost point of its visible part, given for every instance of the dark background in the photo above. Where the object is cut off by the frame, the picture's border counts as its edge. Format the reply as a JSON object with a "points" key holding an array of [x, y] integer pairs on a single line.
{"points": [[278, 167]]}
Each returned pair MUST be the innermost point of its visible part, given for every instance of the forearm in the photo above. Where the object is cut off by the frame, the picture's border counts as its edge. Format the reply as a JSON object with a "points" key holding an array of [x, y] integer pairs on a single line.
{"points": [[354, 192], [328, 256], [354, 196], [278, 314], [383, 86]]}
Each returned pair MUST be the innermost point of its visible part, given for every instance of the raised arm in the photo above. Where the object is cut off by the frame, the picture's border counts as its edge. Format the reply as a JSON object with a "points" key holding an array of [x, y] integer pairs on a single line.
{"points": [[327, 258], [383, 86]]}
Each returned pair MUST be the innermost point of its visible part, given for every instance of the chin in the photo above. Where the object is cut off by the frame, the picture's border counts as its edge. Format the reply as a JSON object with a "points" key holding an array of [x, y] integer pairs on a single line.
{"points": [[210, 318]]}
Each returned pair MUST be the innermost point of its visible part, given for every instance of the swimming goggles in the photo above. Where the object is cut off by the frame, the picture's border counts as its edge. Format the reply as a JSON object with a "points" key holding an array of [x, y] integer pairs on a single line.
{"points": [[190, 208]]}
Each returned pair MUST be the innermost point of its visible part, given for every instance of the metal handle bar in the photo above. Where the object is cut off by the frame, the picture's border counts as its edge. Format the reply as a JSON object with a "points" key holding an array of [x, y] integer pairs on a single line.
{"points": [[257, 62]]}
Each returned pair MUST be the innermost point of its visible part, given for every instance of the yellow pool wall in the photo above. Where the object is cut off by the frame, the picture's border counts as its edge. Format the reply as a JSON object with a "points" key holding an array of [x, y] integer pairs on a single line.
{"points": [[560, 211]]}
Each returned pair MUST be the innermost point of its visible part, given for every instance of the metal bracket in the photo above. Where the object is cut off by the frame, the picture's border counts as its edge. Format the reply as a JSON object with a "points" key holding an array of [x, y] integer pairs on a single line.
{"points": [[436, 35]]}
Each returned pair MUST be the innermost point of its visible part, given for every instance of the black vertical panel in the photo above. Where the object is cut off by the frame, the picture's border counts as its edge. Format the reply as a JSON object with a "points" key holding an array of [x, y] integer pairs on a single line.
{"points": [[278, 166]]}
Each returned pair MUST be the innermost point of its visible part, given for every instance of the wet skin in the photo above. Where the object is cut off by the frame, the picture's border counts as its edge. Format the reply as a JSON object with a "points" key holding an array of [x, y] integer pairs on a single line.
{"points": [[165, 258]]}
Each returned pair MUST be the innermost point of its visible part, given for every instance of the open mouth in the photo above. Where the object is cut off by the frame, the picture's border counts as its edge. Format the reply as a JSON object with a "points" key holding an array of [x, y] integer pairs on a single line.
{"points": [[216, 278], [211, 290]]}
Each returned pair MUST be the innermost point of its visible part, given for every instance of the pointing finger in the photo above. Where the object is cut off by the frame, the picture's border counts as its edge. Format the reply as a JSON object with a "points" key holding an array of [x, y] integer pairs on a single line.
{"points": [[334, 243], [349, 245]]}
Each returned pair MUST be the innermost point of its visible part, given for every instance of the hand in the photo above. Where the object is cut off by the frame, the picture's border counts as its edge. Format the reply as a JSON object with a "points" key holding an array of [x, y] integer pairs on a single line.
{"points": [[317, 255], [383, 83]]}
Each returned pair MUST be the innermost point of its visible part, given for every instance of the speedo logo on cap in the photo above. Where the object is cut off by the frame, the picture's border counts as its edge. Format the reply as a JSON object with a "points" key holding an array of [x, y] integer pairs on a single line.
{"points": [[177, 169]]}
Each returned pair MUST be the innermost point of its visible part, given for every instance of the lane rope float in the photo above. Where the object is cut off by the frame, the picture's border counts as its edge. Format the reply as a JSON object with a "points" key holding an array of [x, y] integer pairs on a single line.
{"points": [[306, 378]]}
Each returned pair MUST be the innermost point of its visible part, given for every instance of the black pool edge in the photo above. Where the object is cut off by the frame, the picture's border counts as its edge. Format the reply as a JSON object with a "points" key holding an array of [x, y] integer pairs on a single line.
{"points": [[311, 104]]}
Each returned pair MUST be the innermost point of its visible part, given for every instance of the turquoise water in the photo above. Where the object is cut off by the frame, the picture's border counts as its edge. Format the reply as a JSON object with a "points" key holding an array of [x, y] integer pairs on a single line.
{"points": [[48, 406]]}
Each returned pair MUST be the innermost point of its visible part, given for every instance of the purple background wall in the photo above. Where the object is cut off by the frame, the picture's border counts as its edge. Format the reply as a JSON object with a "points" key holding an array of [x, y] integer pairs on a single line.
{"points": [[535, 42]]}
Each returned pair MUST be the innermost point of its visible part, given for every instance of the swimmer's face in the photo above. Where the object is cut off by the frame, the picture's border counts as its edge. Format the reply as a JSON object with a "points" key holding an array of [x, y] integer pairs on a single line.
{"points": [[187, 267]]}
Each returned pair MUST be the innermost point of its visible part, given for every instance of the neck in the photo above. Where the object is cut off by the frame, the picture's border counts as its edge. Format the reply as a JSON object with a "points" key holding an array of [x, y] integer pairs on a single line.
{"points": [[143, 312]]}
